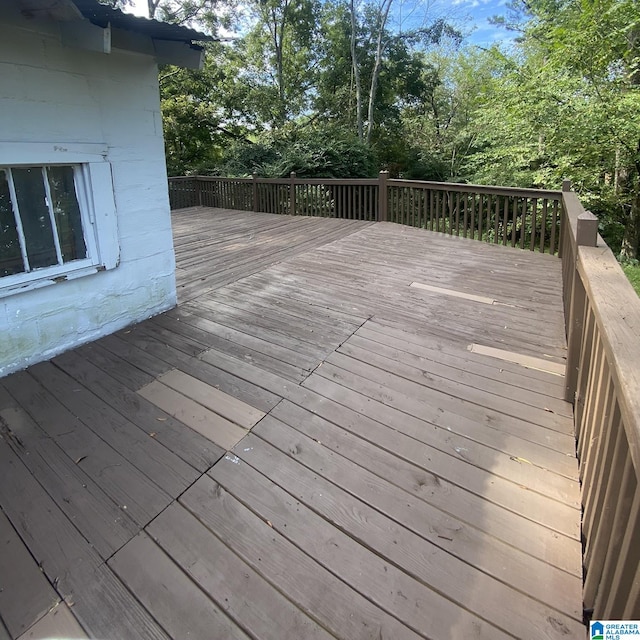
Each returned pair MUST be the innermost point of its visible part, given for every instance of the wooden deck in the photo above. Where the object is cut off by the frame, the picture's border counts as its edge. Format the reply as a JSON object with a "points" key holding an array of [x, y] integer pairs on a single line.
{"points": [[344, 430]]}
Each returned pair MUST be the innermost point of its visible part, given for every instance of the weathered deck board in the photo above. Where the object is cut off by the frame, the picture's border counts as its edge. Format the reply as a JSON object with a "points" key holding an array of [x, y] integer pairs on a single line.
{"points": [[108, 468], [372, 527], [25, 594], [313, 588], [172, 598], [242, 592], [408, 464], [100, 601], [156, 424], [94, 514], [248, 249], [377, 490], [383, 481], [163, 467], [58, 623]]}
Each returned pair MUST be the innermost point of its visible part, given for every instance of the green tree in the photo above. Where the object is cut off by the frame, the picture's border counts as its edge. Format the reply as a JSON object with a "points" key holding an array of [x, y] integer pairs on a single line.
{"points": [[566, 105], [203, 112], [278, 57]]}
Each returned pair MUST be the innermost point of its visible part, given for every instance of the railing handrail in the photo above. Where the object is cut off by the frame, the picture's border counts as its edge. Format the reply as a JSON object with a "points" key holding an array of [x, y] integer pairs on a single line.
{"points": [[602, 316], [617, 309], [477, 188], [426, 184]]}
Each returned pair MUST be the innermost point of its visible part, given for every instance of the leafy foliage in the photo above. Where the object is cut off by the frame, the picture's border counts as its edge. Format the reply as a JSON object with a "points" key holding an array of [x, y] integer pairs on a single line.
{"points": [[312, 152], [566, 106]]}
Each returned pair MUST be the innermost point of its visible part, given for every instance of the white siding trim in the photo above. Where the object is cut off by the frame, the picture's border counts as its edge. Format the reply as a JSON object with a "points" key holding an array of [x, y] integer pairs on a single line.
{"points": [[40, 153]]}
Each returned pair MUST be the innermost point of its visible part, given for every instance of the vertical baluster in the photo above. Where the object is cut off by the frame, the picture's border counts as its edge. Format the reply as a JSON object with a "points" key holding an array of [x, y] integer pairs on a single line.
{"points": [[554, 224], [602, 524], [472, 216], [534, 222], [543, 225], [465, 220], [523, 221], [449, 230]]}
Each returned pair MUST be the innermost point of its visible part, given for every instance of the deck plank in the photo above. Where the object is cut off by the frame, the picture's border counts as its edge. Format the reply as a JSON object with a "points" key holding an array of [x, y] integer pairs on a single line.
{"points": [[396, 583], [95, 515], [112, 472], [25, 593], [388, 491], [203, 368], [242, 592], [101, 603], [373, 400], [461, 383], [58, 623], [405, 463], [222, 403], [381, 480], [428, 343], [214, 427], [187, 444], [173, 599], [163, 467], [288, 362], [340, 608]]}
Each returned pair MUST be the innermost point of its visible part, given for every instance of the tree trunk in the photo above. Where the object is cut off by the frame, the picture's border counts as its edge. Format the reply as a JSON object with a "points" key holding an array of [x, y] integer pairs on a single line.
{"points": [[377, 67], [152, 6], [355, 66], [277, 24], [631, 240]]}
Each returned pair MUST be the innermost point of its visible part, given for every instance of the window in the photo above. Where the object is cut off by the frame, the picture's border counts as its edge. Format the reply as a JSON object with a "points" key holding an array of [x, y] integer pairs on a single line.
{"points": [[41, 220], [57, 214]]}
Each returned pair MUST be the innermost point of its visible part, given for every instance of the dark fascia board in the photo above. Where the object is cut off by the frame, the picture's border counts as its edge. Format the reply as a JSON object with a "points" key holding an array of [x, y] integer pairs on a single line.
{"points": [[102, 15]]}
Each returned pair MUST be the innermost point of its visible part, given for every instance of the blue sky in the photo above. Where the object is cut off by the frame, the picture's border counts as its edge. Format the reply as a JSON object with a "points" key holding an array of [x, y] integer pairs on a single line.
{"points": [[477, 13]]}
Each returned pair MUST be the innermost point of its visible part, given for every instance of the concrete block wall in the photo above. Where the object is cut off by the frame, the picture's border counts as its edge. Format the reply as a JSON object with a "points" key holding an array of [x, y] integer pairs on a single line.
{"points": [[51, 93]]}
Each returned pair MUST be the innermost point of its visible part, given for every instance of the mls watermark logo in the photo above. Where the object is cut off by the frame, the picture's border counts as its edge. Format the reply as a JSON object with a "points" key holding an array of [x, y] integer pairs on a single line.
{"points": [[614, 629]]}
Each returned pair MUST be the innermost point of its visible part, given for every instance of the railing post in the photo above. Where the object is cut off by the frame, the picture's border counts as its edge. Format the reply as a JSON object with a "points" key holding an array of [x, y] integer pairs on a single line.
{"points": [[292, 194], [586, 236], [587, 230], [383, 196], [566, 185], [254, 184]]}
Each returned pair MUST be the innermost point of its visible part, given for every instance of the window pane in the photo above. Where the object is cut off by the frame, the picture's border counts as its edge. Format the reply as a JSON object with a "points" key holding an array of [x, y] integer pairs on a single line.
{"points": [[67, 213], [34, 215], [10, 256]]}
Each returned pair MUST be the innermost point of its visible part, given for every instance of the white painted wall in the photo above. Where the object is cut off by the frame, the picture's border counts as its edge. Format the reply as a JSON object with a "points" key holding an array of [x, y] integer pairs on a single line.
{"points": [[51, 93]]}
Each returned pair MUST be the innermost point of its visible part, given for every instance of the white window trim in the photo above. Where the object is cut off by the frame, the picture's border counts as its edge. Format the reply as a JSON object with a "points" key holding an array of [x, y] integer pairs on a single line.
{"points": [[97, 205]]}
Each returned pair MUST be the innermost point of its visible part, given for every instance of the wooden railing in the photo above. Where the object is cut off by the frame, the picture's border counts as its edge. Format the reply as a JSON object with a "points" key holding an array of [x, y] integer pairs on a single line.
{"points": [[527, 218], [602, 315]]}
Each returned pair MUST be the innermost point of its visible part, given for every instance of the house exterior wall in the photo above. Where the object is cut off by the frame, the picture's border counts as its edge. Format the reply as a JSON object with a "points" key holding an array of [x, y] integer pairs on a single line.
{"points": [[54, 94]]}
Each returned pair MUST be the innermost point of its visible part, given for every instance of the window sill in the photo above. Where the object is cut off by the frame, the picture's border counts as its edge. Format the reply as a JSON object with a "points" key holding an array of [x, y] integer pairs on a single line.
{"points": [[47, 280]]}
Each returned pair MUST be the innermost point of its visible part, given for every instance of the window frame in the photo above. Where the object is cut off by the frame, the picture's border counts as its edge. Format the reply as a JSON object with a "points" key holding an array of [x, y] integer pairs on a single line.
{"points": [[94, 191]]}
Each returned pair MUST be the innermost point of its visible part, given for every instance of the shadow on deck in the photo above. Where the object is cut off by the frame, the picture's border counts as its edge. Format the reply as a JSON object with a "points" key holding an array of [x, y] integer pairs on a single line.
{"points": [[344, 430]]}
